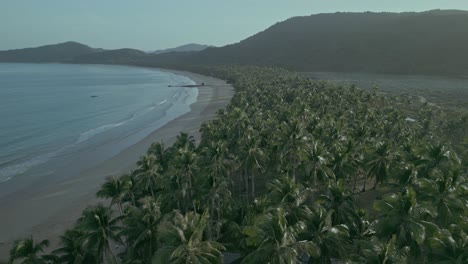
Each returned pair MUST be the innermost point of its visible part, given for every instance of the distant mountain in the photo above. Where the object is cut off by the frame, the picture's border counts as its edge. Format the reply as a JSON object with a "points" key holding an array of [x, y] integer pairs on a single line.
{"points": [[183, 48], [50, 53], [433, 42], [118, 56]]}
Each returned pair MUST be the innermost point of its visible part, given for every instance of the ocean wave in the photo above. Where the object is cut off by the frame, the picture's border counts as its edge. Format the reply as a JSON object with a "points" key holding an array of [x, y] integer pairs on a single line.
{"points": [[98, 130], [171, 109], [93, 132], [9, 171]]}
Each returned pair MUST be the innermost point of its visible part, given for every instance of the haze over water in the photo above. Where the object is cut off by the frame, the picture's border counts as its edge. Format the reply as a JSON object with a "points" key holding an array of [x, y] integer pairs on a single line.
{"points": [[52, 111]]}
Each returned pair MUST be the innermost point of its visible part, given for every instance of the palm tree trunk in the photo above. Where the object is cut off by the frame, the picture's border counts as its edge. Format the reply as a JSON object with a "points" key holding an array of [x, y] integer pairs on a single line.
{"points": [[210, 232], [112, 257], [133, 198], [365, 181], [253, 185], [150, 253], [246, 178], [294, 169], [190, 196], [355, 181], [314, 183], [219, 211], [152, 192], [177, 192], [119, 204]]}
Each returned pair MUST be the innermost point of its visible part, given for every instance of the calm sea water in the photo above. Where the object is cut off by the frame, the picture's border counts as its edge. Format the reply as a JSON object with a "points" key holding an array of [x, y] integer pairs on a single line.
{"points": [[50, 110]]}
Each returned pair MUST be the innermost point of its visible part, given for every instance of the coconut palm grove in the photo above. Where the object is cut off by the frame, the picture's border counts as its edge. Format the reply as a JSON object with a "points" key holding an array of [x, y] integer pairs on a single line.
{"points": [[292, 171]]}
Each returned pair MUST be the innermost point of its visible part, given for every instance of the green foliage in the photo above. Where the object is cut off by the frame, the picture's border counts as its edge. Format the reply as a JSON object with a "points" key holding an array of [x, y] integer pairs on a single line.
{"points": [[183, 240], [74, 249], [100, 229], [27, 251], [275, 178]]}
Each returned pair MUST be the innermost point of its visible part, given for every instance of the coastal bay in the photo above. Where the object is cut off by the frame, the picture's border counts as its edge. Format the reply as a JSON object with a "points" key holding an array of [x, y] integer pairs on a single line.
{"points": [[51, 205]]}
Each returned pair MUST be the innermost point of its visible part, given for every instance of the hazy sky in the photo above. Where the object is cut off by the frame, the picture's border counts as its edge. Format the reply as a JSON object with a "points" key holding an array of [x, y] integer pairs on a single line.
{"points": [[156, 24]]}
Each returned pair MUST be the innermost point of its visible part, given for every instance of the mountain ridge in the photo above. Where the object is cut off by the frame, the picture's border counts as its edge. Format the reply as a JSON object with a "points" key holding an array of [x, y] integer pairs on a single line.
{"points": [[49, 53], [400, 43], [182, 48], [431, 42]]}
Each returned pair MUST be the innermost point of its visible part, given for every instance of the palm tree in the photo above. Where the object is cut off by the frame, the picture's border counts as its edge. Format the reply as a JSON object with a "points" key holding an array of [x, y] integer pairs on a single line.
{"points": [[100, 231], [318, 165], [115, 189], [435, 156], [292, 197], [344, 164], [379, 163], [241, 118], [141, 229], [133, 191], [448, 246], [218, 167], [184, 168], [443, 193], [332, 240], [374, 251], [160, 154], [27, 251], [74, 249], [274, 241], [181, 239], [254, 158], [402, 215], [294, 144], [184, 141], [341, 203], [148, 174]]}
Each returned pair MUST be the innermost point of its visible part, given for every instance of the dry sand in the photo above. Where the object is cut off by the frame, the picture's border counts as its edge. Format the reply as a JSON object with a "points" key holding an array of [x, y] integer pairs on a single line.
{"points": [[49, 206]]}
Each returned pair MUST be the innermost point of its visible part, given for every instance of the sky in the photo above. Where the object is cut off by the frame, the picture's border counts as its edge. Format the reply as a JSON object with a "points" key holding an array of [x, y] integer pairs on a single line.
{"points": [[157, 24]]}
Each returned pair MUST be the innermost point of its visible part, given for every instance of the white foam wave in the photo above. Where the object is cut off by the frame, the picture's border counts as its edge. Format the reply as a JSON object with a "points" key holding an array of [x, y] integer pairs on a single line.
{"points": [[92, 132], [182, 98], [95, 131], [8, 172]]}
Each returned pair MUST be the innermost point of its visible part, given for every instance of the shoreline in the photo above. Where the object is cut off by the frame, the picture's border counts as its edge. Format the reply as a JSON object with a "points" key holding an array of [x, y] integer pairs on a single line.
{"points": [[49, 206]]}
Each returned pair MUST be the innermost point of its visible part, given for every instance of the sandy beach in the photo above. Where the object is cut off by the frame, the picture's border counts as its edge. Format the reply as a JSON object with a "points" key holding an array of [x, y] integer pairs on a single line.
{"points": [[45, 206]]}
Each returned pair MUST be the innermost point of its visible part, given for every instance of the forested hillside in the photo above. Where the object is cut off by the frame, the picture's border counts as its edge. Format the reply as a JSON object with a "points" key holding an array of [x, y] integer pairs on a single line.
{"points": [[183, 48], [118, 56], [50, 53], [434, 42], [292, 171]]}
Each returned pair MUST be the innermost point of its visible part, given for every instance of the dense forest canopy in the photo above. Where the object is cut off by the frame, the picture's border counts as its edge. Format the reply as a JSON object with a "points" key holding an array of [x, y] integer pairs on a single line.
{"points": [[292, 171]]}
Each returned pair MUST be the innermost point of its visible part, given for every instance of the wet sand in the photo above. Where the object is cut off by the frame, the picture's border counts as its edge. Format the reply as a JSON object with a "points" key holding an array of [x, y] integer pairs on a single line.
{"points": [[45, 206]]}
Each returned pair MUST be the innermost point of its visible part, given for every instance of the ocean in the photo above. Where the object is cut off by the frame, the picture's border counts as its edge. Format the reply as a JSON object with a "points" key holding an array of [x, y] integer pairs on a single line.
{"points": [[49, 112]]}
